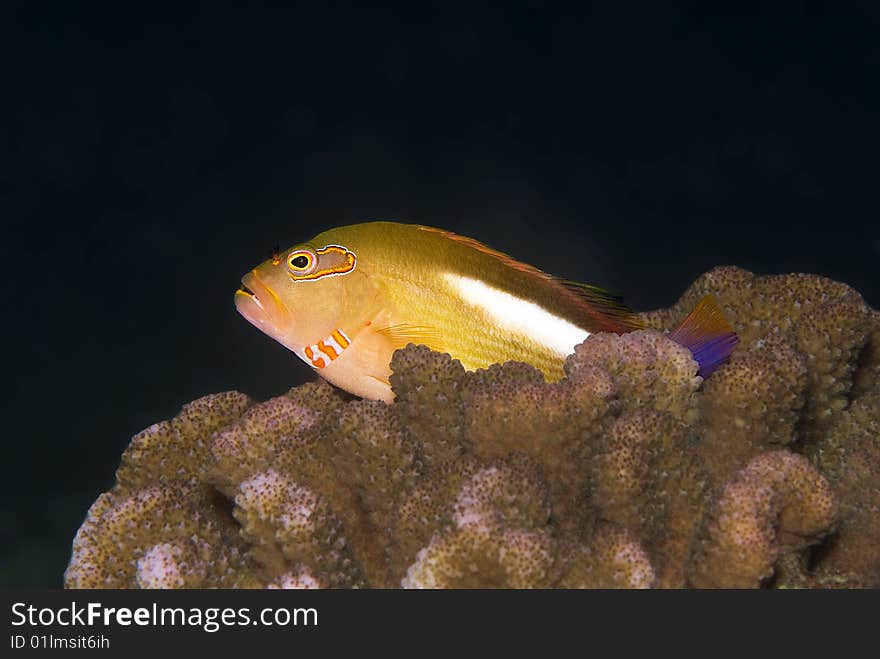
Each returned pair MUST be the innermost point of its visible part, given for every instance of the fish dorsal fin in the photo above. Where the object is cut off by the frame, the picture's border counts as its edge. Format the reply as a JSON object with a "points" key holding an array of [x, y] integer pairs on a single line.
{"points": [[607, 310], [707, 334], [607, 303], [506, 259], [402, 334]]}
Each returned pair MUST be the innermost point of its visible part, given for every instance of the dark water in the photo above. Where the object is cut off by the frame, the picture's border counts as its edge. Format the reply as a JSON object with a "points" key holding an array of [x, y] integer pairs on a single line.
{"points": [[151, 157]]}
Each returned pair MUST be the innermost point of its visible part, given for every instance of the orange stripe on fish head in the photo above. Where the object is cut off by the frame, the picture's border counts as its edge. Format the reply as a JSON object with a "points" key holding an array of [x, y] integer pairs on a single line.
{"points": [[306, 264]]}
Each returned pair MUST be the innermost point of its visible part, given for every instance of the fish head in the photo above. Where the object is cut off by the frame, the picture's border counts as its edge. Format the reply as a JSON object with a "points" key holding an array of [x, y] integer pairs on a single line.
{"points": [[299, 294]]}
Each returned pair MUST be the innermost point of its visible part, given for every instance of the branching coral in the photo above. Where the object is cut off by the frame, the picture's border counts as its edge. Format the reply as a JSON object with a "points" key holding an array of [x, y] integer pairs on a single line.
{"points": [[777, 503], [498, 534], [629, 472]]}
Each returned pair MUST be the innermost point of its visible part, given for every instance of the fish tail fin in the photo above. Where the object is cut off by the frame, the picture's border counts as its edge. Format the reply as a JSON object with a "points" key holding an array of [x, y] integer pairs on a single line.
{"points": [[707, 334]]}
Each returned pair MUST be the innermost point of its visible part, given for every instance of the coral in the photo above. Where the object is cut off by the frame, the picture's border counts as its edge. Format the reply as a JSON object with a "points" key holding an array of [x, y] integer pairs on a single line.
{"points": [[630, 472], [825, 321], [778, 502], [851, 458], [498, 534], [614, 558], [645, 477], [429, 401]]}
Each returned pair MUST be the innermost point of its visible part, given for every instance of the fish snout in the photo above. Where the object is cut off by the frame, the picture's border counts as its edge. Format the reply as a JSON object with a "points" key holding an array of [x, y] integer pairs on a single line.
{"points": [[261, 306]]}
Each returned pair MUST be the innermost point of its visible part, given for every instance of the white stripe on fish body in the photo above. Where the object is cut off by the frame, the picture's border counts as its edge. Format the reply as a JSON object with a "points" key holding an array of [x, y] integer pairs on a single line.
{"points": [[330, 341], [518, 315]]}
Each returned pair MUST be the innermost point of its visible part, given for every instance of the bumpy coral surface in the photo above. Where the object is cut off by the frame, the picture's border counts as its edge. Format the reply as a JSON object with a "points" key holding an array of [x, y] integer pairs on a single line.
{"points": [[631, 472]]}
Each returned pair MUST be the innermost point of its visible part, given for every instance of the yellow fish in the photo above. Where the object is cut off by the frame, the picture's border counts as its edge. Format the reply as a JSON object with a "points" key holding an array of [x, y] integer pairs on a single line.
{"points": [[351, 296]]}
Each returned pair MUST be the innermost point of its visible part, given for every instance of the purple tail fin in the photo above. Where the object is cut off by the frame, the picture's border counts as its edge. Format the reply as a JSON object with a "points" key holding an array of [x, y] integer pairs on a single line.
{"points": [[707, 334]]}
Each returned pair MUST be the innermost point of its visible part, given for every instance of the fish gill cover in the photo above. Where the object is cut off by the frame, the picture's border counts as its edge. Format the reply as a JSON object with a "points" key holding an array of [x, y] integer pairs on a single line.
{"points": [[630, 472]]}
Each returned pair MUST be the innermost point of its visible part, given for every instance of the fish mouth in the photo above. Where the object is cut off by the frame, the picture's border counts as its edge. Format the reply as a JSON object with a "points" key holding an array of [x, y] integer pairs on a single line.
{"points": [[261, 307]]}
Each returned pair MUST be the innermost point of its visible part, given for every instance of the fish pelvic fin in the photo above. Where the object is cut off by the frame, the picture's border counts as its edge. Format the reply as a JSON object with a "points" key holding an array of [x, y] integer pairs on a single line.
{"points": [[707, 334]]}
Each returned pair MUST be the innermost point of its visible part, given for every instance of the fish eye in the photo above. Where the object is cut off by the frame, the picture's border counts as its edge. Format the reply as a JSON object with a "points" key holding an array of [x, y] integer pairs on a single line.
{"points": [[301, 262]]}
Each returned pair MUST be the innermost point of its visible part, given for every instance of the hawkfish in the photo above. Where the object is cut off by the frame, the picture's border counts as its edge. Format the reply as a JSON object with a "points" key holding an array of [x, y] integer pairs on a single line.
{"points": [[348, 298]]}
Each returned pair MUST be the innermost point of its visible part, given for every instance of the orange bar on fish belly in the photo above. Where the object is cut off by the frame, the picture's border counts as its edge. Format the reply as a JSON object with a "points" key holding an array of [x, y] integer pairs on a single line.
{"points": [[327, 350], [317, 362]]}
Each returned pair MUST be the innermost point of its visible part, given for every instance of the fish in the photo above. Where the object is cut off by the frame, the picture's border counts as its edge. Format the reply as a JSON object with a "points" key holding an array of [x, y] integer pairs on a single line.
{"points": [[348, 298]]}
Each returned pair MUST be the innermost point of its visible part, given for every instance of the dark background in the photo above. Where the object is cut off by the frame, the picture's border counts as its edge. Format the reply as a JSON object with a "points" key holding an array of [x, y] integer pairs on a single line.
{"points": [[151, 156]]}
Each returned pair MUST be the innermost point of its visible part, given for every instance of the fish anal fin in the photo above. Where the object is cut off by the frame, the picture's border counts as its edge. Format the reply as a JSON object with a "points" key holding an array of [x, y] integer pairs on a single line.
{"points": [[401, 334], [707, 334]]}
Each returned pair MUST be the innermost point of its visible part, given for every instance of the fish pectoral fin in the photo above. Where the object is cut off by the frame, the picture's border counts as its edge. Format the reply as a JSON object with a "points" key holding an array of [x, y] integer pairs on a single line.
{"points": [[402, 334]]}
